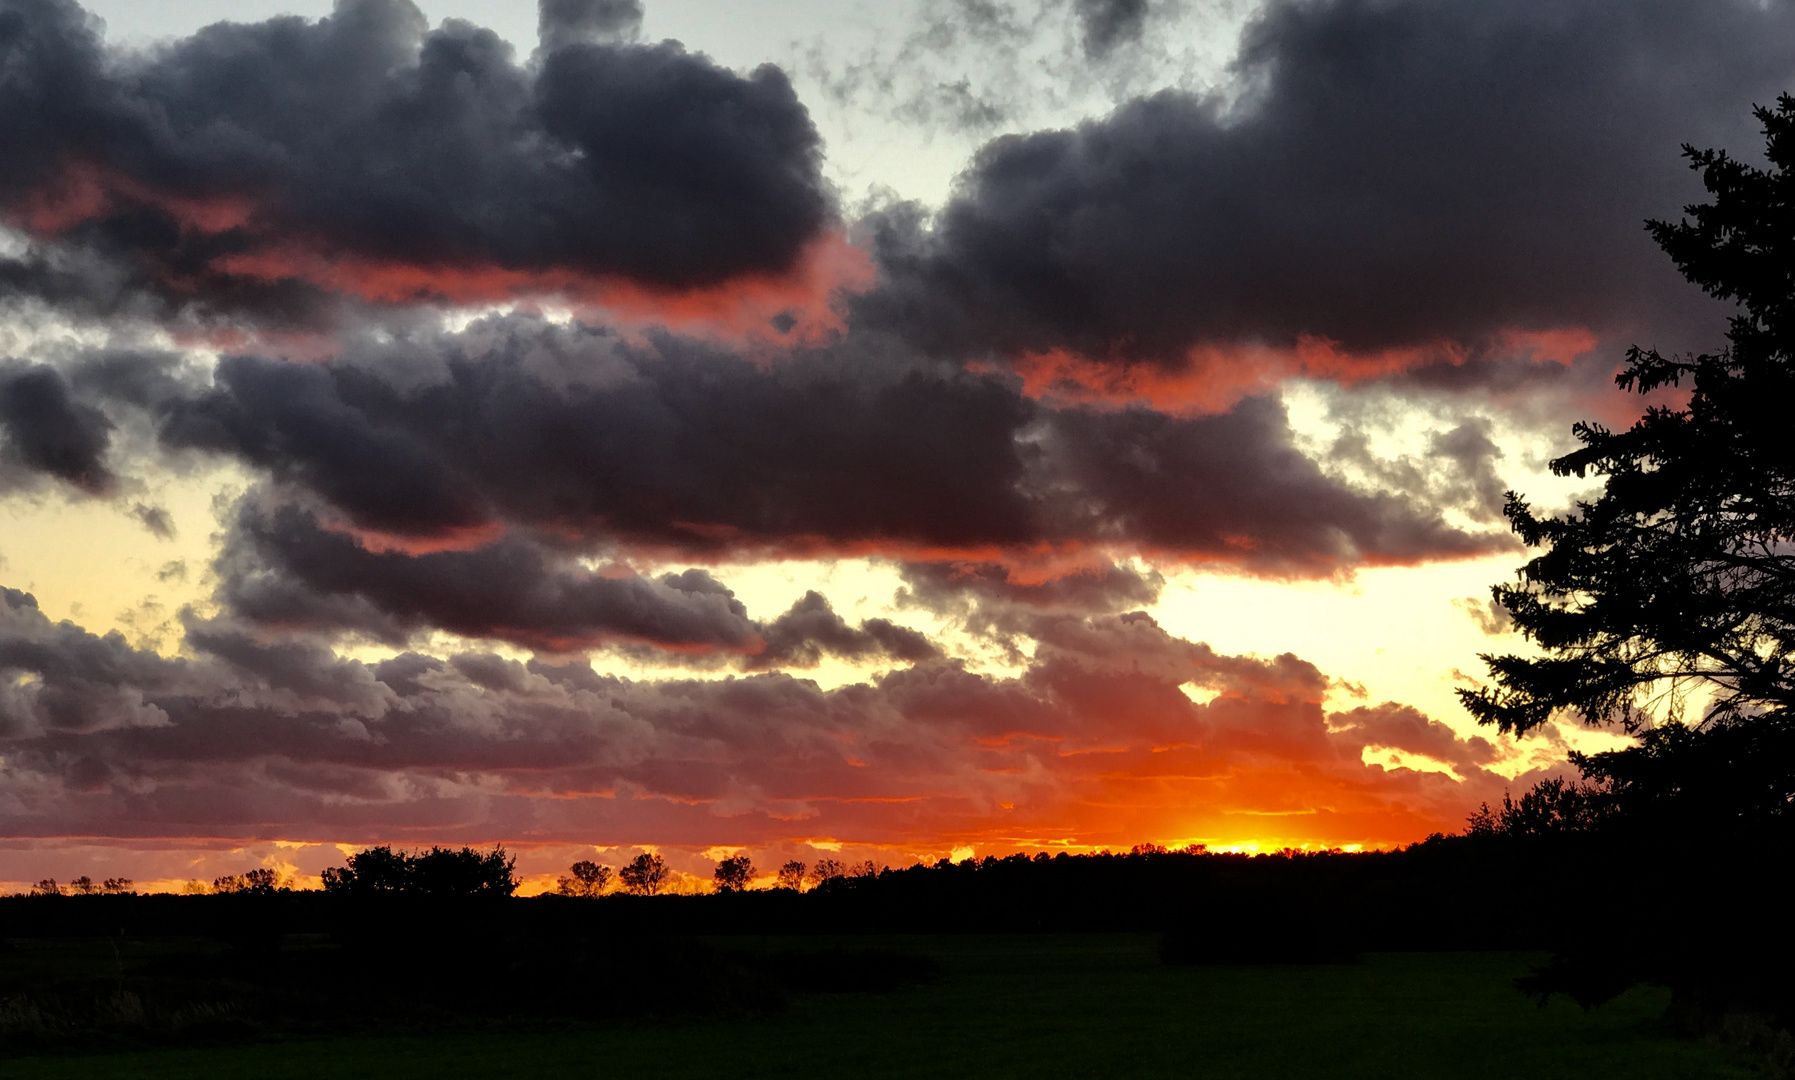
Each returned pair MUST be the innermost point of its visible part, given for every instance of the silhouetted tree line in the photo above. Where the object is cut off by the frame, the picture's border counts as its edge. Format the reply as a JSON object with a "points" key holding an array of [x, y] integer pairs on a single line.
{"points": [[82, 886], [440, 872], [1408, 899], [259, 882]]}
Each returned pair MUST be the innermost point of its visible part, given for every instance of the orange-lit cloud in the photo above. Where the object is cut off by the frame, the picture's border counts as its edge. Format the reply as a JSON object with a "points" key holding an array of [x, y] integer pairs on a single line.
{"points": [[794, 308], [1212, 378], [1094, 744], [85, 192]]}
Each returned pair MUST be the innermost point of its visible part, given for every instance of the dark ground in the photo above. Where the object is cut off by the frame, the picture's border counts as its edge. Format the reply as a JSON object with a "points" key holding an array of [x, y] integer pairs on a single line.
{"points": [[1029, 1006]]}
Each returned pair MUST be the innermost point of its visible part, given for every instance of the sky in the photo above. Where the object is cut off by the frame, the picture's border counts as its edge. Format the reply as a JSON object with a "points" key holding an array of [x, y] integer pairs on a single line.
{"points": [[872, 431]]}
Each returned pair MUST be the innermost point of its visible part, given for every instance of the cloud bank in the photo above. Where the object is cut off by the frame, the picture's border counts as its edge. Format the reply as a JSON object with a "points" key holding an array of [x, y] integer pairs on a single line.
{"points": [[521, 353]]}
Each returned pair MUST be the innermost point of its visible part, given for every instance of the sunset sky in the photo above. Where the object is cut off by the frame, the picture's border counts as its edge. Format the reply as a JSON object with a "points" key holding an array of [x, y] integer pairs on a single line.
{"points": [[891, 431]]}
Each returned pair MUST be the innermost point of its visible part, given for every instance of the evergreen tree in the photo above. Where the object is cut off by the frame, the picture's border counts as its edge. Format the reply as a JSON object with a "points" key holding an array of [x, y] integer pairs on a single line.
{"points": [[1680, 575]]}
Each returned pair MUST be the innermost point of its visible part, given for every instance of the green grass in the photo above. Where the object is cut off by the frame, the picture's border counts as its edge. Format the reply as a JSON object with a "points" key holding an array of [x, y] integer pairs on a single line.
{"points": [[1097, 1006]]}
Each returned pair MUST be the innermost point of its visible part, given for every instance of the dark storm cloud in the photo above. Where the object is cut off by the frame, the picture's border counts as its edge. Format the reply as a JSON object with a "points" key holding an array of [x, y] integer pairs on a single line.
{"points": [[44, 430], [53, 418], [986, 599], [675, 445], [1084, 590], [79, 682], [1234, 486], [570, 22], [517, 423], [293, 663], [1399, 172], [105, 273], [252, 736], [281, 567], [226, 160], [812, 629], [1106, 24]]}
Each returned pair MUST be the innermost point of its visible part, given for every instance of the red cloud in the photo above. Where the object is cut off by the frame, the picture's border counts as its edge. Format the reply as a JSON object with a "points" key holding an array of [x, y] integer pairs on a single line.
{"points": [[791, 308], [1213, 377], [794, 307]]}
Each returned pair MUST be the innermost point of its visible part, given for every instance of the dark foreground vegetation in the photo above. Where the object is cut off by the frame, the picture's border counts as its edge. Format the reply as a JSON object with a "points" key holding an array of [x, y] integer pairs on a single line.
{"points": [[82, 972], [130, 970], [1021, 1005]]}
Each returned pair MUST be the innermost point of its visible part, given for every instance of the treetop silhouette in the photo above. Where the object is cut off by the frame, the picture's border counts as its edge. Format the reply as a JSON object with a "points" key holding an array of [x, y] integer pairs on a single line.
{"points": [[439, 871], [589, 879], [1681, 574], [646, 874], [734, 873]]}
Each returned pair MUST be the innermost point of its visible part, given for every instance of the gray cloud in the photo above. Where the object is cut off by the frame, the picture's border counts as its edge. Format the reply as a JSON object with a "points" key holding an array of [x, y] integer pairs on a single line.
{"points": [[258, 735], [811, 629], [694, 450], [282, 568], [48, 432], [571, 22], [1107, 24], [1399, 174], [239, 165]]}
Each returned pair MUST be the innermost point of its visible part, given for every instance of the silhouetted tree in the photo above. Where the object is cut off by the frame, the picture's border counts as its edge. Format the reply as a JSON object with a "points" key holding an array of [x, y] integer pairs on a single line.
{"points": [[1676, 586], [46, 887], [589, 879], [462, 872], [258, 882], [734, 873], [1681, 574], [828, 870], [645, 875], [1553, 806], [83, 886], [118, 884], [371, 870], [791, 875], [438, 872]]}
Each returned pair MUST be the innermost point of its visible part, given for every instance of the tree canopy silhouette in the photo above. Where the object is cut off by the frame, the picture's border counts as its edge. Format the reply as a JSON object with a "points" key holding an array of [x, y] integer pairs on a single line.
{"points": [[1680, 576], [259, 882], [438, 872], [734, 873], [646, 874], [589, 879]]}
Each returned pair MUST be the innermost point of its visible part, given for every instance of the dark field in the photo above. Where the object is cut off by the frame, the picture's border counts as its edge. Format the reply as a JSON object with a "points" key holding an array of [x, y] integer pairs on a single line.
{"points": [[1012, 1005]]}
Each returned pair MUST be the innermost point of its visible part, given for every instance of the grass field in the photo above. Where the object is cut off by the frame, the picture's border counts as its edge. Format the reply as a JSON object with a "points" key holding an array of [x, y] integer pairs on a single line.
{"points": [[1092, 1006]]}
